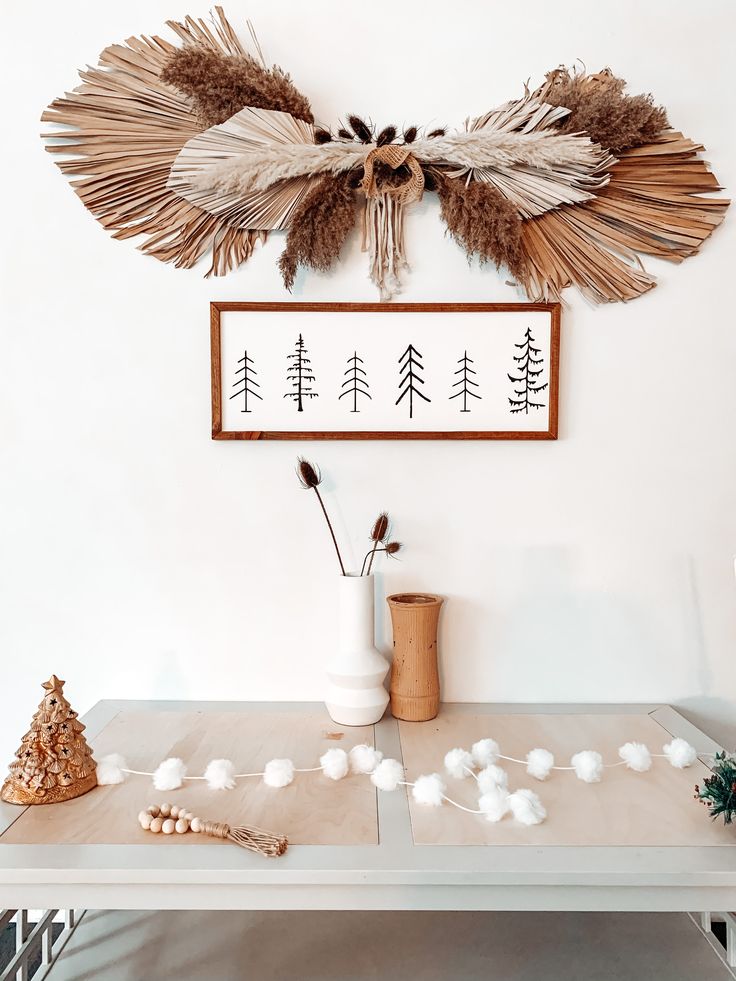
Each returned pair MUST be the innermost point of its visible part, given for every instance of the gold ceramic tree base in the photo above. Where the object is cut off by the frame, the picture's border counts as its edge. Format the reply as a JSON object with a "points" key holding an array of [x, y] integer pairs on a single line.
{"points": [[15, 793]]}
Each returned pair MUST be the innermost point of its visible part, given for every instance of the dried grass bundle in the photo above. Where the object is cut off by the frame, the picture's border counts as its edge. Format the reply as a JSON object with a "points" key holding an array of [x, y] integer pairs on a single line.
{"points": [[260, 169], [599, 108], [482, 221], [546, 149], [319, 227], [220, 85]]}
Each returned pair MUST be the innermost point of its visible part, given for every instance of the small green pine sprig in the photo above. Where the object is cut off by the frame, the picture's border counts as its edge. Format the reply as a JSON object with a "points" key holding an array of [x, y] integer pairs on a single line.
{"points": [[718, 792]]}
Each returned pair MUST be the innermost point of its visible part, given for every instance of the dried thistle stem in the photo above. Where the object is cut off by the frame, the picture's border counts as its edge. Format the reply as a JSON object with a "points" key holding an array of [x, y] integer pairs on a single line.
{"points": [[310, 478], [379, 533], [332, 532]]}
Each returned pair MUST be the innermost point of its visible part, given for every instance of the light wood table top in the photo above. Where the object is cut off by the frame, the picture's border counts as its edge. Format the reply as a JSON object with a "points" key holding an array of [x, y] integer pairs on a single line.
{"points": [[355, 848]]}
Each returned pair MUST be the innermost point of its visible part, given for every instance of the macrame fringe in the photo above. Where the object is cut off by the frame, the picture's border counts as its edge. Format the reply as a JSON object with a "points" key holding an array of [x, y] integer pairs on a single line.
{"points": [[383, 240]]}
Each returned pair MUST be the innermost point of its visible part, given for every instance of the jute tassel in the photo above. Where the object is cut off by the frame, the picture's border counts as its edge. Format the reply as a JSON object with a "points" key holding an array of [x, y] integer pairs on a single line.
{"points": [[255, 839]]}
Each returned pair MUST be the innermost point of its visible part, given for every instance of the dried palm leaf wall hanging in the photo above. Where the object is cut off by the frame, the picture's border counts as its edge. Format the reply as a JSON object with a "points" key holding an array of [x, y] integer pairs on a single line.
{"points": [[201, 148]]}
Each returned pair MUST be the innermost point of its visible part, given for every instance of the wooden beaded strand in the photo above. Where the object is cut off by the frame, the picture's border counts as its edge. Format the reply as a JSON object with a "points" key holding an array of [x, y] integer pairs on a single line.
{"points": [[170, 818]]}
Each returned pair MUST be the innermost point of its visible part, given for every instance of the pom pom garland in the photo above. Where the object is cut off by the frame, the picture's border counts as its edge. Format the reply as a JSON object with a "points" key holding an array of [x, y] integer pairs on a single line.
{"points": [[110, 769], [334, 764], [485, 752], [170, 774], [364, 758], [278, 773], [526, 807], [680, 753], [429, 789], [491, 777], [458, 763], [636, 756], [588, 765], [387, 775], [494, 803], [539, 763], [220, 775]]}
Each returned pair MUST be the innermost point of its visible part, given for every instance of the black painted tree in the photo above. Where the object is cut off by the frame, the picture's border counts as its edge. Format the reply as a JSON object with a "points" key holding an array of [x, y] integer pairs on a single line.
{"points": [[299, 375], [356, 382], [245, 382], [527, 380], [410, 369], [465, 382]]}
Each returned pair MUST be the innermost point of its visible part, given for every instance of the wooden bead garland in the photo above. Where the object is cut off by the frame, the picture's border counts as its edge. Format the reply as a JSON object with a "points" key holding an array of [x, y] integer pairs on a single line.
{"points": [[170, 818]]}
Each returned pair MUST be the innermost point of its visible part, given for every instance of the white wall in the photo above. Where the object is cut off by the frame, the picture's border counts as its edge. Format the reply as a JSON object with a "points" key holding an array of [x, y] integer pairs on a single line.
{"points": [[138, 558]]}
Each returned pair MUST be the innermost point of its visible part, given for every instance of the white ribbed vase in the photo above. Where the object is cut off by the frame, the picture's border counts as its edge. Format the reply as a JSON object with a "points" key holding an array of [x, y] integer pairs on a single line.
{"points": [[355, 695]]}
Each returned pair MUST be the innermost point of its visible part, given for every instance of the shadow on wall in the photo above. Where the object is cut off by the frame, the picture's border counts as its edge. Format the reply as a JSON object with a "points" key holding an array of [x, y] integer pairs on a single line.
{"points": [[715, 716], [539, 630]]}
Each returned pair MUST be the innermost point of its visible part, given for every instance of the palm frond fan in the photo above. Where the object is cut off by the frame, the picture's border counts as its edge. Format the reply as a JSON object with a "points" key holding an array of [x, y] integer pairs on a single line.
{"points": [[200, 147]]}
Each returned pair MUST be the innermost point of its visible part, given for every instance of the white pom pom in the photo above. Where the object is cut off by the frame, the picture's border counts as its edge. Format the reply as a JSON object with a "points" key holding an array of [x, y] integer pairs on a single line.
{"points": [[494, 803], [278, 773], [428, 789], [387, 775], [458, 762], [110, 769], [492, 776], [220, 775], [364, 758], [680, 753], [539, 762], [485, 752], [170, 774], [334, 763], [527, 808], [636, 756], [588, 765]]}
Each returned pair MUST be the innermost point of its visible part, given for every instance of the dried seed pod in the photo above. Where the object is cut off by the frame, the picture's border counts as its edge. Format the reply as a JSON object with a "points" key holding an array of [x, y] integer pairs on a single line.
{"points": [[309, 476], [410, 134], [361, 129], [387, 135], [435, 134], [344, 134], [322, 136], [380, 527]]}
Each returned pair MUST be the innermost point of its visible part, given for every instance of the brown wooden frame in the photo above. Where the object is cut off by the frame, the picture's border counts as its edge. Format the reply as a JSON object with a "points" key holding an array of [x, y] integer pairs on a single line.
{"points": [[217, 308]]}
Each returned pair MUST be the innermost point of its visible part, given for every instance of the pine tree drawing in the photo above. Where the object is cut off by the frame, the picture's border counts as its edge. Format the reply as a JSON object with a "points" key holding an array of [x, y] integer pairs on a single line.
{"points": [[357, 381], [410, 368], [245, 381], [299, 374], [54, 762], [529, 368], [465, 381]]}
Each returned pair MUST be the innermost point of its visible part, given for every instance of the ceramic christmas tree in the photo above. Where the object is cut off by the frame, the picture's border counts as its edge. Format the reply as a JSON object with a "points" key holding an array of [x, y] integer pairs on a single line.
{"points": [[54, 762]]}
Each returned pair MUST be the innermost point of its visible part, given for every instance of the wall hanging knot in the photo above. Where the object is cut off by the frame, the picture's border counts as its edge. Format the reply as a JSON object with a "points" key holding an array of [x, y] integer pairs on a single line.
{"points": [[203, 148]]}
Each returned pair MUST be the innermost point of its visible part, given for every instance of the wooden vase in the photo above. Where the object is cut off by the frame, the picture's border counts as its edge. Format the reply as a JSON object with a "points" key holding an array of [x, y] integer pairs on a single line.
{"points": [[415, 680]]}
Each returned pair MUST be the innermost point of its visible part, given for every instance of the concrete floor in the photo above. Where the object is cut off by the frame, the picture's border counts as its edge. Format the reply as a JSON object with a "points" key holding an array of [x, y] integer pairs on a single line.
{"points": [[354, 946]]}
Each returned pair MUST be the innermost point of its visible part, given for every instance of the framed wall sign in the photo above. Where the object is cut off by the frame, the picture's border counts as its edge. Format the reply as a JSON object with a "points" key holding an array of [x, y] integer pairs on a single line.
{"points": [[378, 371]]}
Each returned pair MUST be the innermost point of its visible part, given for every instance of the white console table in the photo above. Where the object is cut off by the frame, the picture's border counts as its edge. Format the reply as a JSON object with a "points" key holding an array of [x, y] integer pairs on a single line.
{"points": [[394, 874]]}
